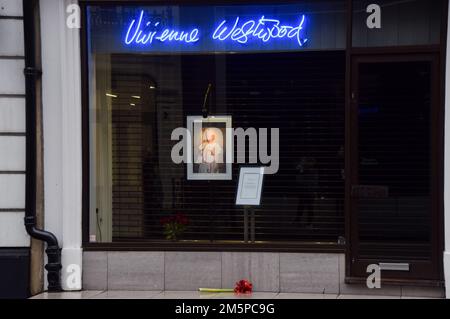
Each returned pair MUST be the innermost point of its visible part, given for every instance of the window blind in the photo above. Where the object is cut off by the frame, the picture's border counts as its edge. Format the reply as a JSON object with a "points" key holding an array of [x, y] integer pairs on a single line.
{"points": [[301, 93]]}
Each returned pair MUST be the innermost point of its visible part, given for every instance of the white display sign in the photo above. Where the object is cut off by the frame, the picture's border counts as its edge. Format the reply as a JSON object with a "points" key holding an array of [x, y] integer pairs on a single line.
{"points": [[250, 186]]}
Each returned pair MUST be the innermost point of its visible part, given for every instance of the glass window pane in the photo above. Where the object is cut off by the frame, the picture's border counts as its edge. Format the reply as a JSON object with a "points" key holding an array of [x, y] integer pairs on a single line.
{"points": [[393, 197], [138, 97]]}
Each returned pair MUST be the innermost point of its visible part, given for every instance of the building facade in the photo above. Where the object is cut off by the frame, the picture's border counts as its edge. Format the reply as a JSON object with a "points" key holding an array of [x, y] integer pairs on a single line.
{"points": [[343, 102]]}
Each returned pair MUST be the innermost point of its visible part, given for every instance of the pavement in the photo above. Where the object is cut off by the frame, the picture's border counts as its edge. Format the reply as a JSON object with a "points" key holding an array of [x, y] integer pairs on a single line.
{"points": [[119, 294]]}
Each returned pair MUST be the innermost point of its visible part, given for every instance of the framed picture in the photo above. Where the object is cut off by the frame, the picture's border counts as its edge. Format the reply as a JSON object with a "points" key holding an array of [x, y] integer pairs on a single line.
{"points": [[250, 186], [210, 153]]}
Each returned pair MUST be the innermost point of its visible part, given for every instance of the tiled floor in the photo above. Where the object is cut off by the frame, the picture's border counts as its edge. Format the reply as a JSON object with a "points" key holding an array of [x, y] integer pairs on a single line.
{"points": [[119, 294]]}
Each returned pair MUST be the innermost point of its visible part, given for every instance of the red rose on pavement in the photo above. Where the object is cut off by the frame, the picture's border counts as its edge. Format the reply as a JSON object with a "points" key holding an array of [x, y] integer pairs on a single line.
{"points": [[243, 287]]}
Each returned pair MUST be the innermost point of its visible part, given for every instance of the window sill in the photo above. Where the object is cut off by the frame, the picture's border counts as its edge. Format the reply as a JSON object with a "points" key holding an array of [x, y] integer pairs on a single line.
{"points": [[234, 246]]}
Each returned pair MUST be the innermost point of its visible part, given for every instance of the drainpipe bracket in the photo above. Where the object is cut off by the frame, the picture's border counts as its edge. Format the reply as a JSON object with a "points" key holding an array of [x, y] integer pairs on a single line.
{"points": [[53, 268], [30, 71], [30, 220]]}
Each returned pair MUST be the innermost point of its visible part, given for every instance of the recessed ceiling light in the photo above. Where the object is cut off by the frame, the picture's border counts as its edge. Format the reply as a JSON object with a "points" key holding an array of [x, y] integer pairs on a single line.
{"points": [[152, 87], [111, 95], [135, 96], [132, 104]]}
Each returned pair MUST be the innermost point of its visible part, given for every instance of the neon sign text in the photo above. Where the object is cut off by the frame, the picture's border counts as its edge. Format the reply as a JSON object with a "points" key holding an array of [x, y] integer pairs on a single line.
{"points": [[263, 29], [142, 31], [136, 34]]}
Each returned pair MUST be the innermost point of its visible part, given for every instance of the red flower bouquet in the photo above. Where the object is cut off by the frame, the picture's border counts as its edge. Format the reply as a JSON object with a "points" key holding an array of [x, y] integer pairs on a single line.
{"points": [[174, 226], [243, 287]]}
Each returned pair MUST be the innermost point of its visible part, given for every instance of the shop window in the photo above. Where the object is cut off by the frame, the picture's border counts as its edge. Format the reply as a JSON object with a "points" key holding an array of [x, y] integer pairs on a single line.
{"points": [[138, 96]]}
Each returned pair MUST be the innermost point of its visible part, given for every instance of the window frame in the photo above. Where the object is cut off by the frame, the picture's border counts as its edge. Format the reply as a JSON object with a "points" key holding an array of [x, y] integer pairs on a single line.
{"points": [[220, 246]]}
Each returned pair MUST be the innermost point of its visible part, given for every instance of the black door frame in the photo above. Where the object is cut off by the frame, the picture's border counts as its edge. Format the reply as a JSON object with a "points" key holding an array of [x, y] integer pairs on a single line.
{"points": [[439, 49], [355, 269]]}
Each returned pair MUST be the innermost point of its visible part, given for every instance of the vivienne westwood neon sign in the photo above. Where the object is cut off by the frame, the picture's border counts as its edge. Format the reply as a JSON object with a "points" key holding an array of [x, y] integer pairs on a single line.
{"points": [[136, 33], [263, 29], [145, 32]]}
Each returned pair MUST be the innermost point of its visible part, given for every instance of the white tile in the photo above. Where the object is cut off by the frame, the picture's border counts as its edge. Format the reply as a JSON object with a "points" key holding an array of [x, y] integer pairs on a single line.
{"points": [[12, 230], [11, 33], [262, 269], [235, 266], [309, 272], [11, 8], [406, 297], [12, 153], [12, 191], [12, 79], [95, 270], [367, 297], [68, 295], [305, 296], [12, 115], [253, 295], [120, 294], [135, 270], [192, 270], [184, 295]]}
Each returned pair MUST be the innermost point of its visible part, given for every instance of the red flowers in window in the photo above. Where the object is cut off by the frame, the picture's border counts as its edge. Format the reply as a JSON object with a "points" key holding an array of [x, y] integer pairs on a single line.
{"points": [[174, 226], [178, 218]]}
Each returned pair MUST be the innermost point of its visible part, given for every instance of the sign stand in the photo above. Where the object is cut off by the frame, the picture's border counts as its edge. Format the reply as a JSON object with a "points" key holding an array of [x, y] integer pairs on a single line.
{"points": [[249, 195], [246, 209], [249, 223], [252, 224]]}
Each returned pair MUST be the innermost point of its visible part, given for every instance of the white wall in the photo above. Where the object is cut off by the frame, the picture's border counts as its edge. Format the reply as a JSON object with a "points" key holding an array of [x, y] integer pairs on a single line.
{"points": [[61, 98], [12, 126]]}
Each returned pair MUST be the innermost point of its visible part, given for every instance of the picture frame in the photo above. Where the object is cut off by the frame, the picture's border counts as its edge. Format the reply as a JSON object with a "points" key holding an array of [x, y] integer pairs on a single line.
{"points": [[210, 149], [250, 186]]}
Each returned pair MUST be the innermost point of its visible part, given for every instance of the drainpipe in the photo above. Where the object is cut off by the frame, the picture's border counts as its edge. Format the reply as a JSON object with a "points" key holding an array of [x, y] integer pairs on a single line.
{"points": [[32, 75]]}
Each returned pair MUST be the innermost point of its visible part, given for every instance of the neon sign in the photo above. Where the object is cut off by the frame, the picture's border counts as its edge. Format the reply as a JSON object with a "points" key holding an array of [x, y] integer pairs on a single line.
{"points": [[135, 34], [263, 29], [146, 32]]}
